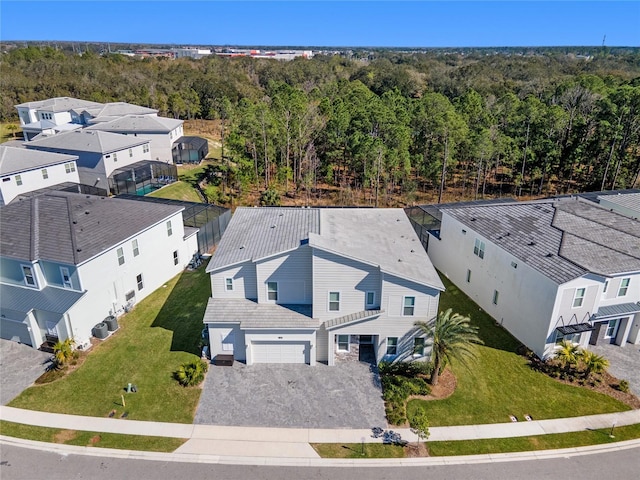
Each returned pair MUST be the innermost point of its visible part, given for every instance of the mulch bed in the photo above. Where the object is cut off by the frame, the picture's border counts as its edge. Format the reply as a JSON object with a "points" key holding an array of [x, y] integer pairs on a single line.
{"points": [[608, 387], [447, 383]]}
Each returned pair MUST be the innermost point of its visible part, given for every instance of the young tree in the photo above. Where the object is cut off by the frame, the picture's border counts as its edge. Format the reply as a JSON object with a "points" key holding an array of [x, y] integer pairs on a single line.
{"points": [[452, 338], [419, 424]]}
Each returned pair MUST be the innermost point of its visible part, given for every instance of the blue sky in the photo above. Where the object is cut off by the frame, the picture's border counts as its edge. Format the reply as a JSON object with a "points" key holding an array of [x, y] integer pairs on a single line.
{"points": [[326, 23]]}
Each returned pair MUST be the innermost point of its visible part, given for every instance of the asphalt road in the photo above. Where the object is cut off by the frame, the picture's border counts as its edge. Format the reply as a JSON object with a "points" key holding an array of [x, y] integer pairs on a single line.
{"points": [[20, 463]]}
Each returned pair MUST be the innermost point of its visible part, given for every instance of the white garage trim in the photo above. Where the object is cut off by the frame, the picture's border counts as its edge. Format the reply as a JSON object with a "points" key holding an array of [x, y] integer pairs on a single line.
{"points": [[280, 352]]}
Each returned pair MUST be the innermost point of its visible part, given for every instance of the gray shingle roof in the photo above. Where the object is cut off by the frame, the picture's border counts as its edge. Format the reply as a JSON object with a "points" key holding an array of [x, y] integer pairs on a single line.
{"points": [[117, 109], [59, 104], [50, 299], [562, 239], [250, 314], [138, 123], [255, 233], [382, 237], [87, 141], [16, 160], [72, 228]]}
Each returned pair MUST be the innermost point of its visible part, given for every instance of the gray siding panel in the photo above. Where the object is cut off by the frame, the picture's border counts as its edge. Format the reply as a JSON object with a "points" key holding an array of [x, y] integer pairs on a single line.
{"points": [[351, 278], [292, 271]]}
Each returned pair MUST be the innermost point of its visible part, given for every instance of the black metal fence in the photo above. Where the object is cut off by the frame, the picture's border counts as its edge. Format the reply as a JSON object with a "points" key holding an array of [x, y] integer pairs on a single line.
{"points": [[211, 220]]}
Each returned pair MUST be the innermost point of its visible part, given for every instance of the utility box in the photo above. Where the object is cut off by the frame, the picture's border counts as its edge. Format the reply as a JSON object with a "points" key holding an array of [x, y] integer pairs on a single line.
{"points": [[100, 331], [112, 323]]}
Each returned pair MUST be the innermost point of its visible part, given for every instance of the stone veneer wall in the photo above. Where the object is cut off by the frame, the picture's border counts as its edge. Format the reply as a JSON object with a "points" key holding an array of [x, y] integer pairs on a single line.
{"points": [[353, 355]]}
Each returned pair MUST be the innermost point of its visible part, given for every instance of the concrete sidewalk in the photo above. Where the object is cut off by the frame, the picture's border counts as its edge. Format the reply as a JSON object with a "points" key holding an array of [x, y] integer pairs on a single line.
{"points": [[294, 442]]}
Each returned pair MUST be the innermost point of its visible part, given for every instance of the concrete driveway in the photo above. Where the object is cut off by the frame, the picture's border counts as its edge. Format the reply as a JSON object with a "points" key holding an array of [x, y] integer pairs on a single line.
{"points": [[283, 395], [20, 366], [624, 362]]}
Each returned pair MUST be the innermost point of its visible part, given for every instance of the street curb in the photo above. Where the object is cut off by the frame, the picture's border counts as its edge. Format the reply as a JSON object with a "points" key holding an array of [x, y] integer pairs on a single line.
{"points": [[65, 450]]}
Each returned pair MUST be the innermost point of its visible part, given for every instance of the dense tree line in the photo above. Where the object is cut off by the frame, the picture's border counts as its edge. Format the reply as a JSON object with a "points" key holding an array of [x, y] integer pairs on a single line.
{"points": [[392, 123]]}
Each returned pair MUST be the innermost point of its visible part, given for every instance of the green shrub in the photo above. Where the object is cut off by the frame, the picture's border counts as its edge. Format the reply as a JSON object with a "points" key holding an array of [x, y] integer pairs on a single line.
{"points": [[623, 386], [191, 373]]}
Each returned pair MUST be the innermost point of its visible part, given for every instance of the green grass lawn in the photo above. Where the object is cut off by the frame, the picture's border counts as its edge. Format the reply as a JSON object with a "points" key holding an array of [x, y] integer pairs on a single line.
{"points": [[90, 439], [354, 450], [178, 191], [155, 338], [6, 133], [484, 446], [500, 383], [538, 442]]}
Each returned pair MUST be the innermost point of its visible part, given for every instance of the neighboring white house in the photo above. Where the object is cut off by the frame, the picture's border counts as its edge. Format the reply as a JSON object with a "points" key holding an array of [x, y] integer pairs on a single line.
{"points": [[112, 110], [99, 153], [69, 260], [307, 285], [51, 115], [545, 270], [160, 131], [23, 171]]}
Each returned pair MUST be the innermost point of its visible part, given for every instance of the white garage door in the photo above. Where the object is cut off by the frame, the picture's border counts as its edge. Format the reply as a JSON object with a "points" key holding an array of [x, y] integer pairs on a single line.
{"points": [[16, 331], [280, 352]]}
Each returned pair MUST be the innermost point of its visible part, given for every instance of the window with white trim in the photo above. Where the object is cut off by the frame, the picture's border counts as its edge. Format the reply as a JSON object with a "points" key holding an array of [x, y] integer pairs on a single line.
{"points": [[418, 346], [496, 294], [139, 282], [66, 278], [145, 148], [578, 298], [120, 253], [606, 287], [392, 345], [570, 337], [334, 301], [343, 343], [29, 277], [45, 174], [169, 229], [370, 299], [408, 306], [69, 167], [175, 257], [624, 287], [134, 246], [228, 283], [115, 157], [130, 152], [478, 248], [18, 180], [272, 291], [612, 328]]}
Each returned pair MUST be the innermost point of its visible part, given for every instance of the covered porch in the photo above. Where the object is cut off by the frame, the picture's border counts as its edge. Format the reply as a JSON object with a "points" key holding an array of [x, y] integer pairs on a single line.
{"points": [[616, 324]]}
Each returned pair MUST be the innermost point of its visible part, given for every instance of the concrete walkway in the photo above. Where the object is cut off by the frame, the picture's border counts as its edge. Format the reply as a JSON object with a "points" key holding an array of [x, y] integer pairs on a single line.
{"points": [[294, 442]]}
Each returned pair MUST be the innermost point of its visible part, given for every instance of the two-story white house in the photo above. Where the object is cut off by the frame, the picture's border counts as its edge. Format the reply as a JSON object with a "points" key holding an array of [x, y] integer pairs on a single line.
{"points": [[307, 285], [112, 110], [69, 260], [546, 270], [99, 153], [52, 115], [23, 171], [161, 132]]}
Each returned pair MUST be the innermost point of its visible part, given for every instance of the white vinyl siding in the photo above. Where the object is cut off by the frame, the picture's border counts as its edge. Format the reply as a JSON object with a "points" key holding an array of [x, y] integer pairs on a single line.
{"points": [[292, 272], [244, 282], [332, 273]]}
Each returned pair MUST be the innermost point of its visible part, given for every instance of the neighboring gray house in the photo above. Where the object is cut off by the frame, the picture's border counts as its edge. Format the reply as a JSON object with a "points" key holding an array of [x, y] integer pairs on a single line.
{"points": [[161, 132], [23, 171], [69, 260], [547, 270], [307, 285], [99, 153]]}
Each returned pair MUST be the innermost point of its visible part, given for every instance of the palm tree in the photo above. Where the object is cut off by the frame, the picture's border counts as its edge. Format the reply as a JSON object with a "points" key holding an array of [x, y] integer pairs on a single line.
{"points": [[63, 351], [593, 363], [568, 354], [452, 337]]}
